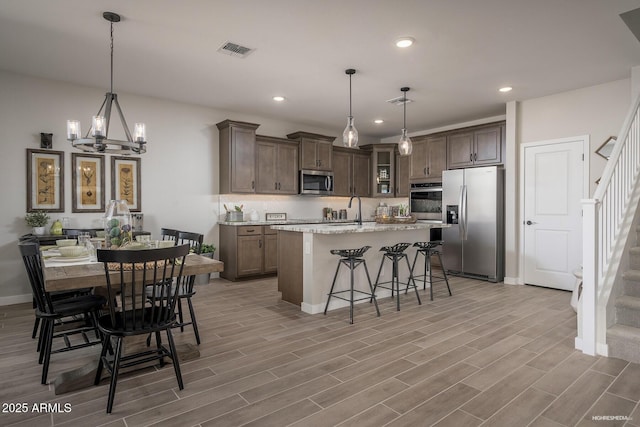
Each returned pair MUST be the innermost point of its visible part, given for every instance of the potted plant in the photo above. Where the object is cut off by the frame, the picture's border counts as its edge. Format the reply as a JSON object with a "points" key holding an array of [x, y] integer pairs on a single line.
{"points": [[38, 220], [208, 251]]}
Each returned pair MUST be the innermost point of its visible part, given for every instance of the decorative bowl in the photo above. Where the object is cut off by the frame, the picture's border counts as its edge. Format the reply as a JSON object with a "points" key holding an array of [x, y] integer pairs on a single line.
{"points": [[66, 242], [72, 251]]}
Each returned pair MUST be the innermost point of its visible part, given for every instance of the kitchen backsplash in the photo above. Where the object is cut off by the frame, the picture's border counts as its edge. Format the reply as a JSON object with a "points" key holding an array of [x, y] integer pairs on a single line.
{"points": [[299, 207]]}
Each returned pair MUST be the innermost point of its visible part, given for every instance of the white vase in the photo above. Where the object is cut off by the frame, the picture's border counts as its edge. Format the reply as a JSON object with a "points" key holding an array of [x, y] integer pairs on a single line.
{"points": [[39, 231]]}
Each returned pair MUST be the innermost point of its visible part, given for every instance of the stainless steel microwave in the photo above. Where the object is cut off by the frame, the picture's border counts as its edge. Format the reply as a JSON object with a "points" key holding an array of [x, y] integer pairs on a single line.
{"points": [[314, 182], [426, 200]]}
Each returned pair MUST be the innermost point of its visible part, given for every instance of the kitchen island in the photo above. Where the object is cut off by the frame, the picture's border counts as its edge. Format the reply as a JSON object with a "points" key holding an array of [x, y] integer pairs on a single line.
{"points": [[306, 267]]}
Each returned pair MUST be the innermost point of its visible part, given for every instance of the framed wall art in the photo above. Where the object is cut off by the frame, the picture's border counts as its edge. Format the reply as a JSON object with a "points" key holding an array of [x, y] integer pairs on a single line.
{"points": [[125, 181], [45, 180], [87, 182], [607, 147]]}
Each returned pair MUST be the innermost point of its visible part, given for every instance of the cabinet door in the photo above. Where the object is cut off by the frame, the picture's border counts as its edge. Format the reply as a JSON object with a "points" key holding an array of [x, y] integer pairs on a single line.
{"points": [[266, 169], [342, 184], [270, 253], [250, 255], [242, 160], [460, 150], [437, 157], [402, 175], [287, 169], [384, 179], [324, 149], [419, 160], [308, 159], [488, 147], [361, 172]]}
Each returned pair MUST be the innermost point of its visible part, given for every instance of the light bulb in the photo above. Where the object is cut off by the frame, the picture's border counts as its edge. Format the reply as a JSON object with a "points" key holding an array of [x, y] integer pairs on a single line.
{"points": [[350, 134], [73, 130], [405, 146]]}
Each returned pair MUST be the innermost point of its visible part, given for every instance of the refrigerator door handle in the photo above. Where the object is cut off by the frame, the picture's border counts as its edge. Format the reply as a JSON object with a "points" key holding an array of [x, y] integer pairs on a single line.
{"points": [[460, 212], [463, 211]]}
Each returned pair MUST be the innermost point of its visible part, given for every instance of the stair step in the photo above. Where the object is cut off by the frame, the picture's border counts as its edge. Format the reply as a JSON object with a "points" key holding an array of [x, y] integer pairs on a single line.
{"points": [[632, 282], [624, 342], [628, 310], [634, 258]]}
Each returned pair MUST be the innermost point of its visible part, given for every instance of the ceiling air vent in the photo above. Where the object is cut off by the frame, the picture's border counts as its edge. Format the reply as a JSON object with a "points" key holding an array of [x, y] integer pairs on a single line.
{"points": [[235, 49], [399, 100]]}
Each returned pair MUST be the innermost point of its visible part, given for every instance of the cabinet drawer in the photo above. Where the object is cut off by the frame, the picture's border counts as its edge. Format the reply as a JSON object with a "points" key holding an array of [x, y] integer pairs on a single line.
{"points": [[268, 230], [249, 230]]}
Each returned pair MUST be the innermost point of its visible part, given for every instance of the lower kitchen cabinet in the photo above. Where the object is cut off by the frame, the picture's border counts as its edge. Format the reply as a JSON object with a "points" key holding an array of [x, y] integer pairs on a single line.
{"points": [[247, 251]]}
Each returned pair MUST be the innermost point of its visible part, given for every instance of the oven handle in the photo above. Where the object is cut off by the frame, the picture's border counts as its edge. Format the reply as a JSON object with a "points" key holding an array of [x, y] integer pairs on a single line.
{"points": [[427, 190]]}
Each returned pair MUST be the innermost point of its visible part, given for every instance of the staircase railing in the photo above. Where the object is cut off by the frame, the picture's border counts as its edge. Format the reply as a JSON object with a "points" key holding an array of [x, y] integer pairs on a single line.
{"points": [[603, 220]]}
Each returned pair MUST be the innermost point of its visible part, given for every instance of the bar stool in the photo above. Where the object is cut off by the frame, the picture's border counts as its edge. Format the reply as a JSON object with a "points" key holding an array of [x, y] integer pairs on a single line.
{"points": [[395, 253], [351, 258], [429, 249]]}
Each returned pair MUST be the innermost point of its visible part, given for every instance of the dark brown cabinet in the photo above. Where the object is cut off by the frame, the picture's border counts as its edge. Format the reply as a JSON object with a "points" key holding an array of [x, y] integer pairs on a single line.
{"points": [[276, 165], [237, 142], [384, 175], [429, 158], [351, 172], [480, 146], [402, 175], [247, 251], [315, 150]]}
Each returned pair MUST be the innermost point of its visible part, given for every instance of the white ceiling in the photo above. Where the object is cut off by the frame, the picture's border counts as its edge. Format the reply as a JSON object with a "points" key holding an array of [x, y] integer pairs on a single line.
{"points": [[464, 51]]}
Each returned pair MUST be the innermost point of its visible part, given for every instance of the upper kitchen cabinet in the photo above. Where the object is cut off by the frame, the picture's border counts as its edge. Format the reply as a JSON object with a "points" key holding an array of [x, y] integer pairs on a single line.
{"points": [[276, 165], [383, 177], [351, 172], [237, 142], [315, 150], [478, 146], [403, 165], [429, 158]]}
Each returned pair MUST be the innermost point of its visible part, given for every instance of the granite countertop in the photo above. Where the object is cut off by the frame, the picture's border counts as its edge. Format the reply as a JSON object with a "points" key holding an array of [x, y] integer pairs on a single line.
{"points": [[367, 227], [287, 222]]}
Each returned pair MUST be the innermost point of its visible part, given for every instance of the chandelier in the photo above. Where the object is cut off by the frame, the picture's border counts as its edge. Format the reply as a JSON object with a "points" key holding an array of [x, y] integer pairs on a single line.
{"points": [[97, 139]]}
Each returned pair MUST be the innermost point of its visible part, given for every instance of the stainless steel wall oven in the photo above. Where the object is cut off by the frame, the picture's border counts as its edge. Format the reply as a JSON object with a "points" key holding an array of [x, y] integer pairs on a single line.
{"points": [[426, 200]]}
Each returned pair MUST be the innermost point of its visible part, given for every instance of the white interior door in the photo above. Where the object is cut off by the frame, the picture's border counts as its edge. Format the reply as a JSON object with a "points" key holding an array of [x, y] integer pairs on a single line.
{"points": [[552, 230]]}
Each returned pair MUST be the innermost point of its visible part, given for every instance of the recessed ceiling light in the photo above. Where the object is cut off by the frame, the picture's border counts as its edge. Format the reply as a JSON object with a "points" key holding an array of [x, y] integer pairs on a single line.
{"points": [[278, 98], [505, 89], [378, 121], [405, 41]]}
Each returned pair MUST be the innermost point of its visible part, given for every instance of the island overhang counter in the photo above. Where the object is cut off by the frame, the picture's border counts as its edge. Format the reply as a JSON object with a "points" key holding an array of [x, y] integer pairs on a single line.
{"points": [[306, 267]]}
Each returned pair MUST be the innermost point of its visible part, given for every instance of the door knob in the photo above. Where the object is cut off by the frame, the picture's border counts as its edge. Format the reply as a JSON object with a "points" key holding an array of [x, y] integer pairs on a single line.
{"points": [[530, 222]]}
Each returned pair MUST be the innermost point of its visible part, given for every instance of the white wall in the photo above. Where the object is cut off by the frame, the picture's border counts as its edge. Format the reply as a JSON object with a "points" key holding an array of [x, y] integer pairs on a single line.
{"points": [[179, 170]]}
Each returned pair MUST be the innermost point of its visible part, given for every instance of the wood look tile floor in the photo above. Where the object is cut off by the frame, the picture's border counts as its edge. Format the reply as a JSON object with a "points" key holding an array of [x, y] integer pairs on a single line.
{"points": [[490, 355]]}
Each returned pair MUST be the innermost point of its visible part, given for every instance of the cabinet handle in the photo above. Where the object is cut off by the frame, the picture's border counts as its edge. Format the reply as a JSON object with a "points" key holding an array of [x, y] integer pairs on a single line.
{"points": [[425, 171], [475, 156], [253, 185], [471, 157], [260, 243], [250, 231], [275, 185]]}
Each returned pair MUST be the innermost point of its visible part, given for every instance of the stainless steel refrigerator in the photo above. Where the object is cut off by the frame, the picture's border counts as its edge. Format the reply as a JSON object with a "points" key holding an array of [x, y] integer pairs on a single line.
{"points": [[473, 203]]}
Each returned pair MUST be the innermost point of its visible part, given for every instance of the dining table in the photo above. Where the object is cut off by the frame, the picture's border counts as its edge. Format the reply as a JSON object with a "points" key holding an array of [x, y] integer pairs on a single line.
{"points": [[70, 273]]}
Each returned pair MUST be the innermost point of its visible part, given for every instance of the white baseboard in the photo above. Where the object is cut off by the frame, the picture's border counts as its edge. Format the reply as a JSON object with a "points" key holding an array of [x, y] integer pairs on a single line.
{"points": [[602, 349], [578, 343], [16, 299], [512, 281]]}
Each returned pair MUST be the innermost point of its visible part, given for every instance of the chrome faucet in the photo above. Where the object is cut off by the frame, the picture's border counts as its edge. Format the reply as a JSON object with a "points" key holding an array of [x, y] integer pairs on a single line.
{"points": [[359, 217]]}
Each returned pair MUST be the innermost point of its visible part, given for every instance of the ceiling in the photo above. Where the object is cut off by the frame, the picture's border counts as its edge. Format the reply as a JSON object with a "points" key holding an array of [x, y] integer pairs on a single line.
{"points": [[464, 51]]}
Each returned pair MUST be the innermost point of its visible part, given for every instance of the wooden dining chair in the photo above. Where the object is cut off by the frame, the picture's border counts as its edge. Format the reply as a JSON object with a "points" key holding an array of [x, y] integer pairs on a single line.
{"points": [[82, 309], [186, 291], [145, 283]]}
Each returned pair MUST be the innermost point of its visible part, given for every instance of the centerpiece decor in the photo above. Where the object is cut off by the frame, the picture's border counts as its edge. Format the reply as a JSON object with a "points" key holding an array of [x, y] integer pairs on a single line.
{"points": [[117, 224], [37, 220]]}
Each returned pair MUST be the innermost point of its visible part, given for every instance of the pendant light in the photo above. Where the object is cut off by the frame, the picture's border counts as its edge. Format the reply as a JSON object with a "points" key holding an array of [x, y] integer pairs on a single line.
{"points": [[97, 139], [350, 134], [405, 146]]}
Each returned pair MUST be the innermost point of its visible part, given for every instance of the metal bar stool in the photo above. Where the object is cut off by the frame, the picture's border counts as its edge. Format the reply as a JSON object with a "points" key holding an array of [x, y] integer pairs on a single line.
{"points": [[429, 249], [351, 258], [395, 253]]}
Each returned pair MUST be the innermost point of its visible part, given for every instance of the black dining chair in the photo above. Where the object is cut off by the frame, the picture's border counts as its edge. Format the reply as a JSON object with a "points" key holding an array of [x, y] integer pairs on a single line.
{"points": [[81, 311], [140, 312], [186, 291], [169, 234]]}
